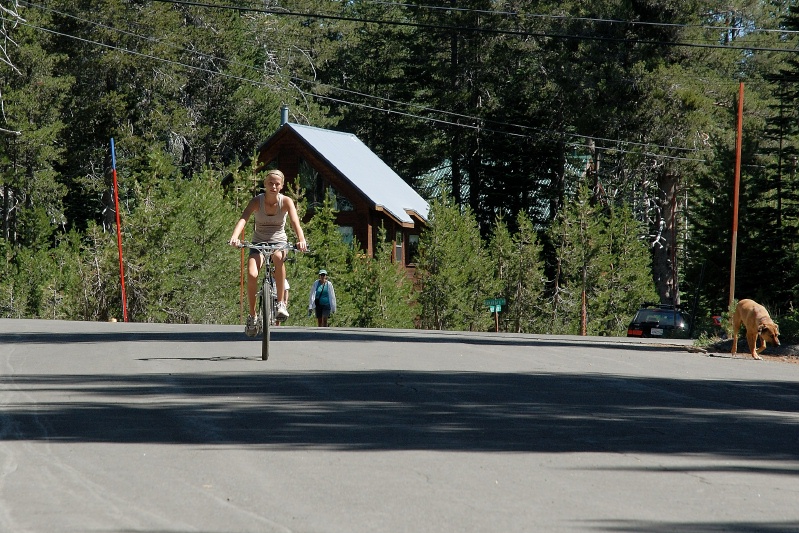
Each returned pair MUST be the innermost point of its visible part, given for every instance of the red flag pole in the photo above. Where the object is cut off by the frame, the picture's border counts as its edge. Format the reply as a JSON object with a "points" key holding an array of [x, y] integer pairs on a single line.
{"points": [[119, 231]]}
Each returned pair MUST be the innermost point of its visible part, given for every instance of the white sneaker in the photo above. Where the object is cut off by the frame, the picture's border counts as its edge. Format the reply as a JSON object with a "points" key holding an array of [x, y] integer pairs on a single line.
{"points": [[251, 329], [282, 312]]}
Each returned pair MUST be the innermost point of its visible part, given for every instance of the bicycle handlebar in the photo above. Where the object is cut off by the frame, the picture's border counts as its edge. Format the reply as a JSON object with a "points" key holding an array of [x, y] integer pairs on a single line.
{"points": [[266, 247]]}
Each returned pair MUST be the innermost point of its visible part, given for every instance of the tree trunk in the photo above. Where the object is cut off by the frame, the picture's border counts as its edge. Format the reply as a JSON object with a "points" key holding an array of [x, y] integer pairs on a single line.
{"points": [[664, 259], [6, 212]]}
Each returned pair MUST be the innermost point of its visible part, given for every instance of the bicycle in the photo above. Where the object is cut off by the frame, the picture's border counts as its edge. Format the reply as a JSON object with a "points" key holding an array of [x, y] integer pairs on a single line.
{"points": [[267, 293]]}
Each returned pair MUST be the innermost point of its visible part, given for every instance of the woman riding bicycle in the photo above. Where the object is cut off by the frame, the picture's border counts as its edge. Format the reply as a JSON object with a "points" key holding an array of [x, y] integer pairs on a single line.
{"points": [[270, 209]]}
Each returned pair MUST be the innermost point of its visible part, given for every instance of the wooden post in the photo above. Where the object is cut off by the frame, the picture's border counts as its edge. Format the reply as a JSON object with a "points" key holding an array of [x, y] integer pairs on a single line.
{"points": [[583, 317], [736, 191]]}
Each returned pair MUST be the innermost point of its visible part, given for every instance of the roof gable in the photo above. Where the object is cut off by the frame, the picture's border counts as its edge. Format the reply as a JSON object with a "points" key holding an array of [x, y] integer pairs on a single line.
{"points": [[366, 171]]}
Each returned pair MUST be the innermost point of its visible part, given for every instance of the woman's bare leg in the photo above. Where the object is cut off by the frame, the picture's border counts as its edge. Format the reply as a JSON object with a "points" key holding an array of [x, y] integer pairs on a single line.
{"points": [[253, 267]]}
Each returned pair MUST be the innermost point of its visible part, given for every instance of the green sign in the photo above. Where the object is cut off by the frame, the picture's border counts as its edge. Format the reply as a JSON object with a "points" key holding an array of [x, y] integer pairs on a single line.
{"points": [[495, 302]]}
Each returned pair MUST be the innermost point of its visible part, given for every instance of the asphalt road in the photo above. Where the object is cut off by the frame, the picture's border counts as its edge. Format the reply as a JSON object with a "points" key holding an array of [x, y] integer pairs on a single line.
{"points": [[165, 428]]}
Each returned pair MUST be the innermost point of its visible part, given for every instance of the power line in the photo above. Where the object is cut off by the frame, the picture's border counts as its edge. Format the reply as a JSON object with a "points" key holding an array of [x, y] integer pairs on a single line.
{"points": [[584, 19], [465, 29], [477, 123], [139, 54]]}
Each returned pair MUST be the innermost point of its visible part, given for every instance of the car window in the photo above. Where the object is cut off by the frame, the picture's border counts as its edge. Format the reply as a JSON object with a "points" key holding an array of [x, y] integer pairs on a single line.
{"points": [[663, 317]]}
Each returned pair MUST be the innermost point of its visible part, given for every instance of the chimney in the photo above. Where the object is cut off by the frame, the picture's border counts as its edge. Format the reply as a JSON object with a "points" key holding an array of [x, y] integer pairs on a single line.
{"points": [[284, 114]]}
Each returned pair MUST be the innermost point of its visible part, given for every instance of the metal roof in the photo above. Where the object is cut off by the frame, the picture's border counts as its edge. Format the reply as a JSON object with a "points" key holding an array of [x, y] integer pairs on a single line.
{"points": [[367, 172]]}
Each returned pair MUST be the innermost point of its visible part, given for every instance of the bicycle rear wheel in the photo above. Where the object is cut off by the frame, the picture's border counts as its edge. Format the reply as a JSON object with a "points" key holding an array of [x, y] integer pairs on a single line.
{"points": [[266, 317]]}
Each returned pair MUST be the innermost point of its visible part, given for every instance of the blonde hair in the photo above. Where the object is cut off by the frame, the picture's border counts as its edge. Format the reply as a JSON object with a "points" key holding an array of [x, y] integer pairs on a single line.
{"points": [[275, 172]]}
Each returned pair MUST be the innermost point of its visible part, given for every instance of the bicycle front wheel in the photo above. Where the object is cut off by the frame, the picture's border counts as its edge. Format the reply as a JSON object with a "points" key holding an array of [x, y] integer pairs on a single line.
{"points": [[266, 318]]}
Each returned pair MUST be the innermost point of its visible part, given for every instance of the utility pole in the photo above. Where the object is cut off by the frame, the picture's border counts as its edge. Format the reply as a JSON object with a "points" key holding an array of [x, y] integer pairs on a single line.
{"points": [[736, 191]]}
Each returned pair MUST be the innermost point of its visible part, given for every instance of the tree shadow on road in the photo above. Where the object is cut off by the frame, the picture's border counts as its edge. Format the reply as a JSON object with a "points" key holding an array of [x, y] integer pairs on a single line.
{"points": [[403, 410], [638, 526], [294, 334]]}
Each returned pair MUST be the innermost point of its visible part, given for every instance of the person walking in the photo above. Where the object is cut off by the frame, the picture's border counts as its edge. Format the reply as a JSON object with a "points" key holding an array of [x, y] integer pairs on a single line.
{"points": [[322, 299]]}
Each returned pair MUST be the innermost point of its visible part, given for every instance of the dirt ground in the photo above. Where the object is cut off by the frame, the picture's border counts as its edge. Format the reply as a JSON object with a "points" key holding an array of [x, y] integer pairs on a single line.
{"points": [[784, 353]]}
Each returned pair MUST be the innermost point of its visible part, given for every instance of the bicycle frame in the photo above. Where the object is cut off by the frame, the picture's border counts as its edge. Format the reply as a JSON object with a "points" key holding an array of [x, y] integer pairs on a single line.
{"points": [[267, 293]]}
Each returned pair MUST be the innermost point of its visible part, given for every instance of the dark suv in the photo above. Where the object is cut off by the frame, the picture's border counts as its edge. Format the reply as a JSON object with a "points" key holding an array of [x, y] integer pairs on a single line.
{"points": [[659, 320]]}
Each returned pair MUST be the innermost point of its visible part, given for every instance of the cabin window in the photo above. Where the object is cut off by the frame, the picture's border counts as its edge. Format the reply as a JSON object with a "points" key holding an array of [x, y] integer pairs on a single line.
{"points": [[316, 188], [413, 248], [313, 185], [340, 202], [346, 233], [398, 247]]}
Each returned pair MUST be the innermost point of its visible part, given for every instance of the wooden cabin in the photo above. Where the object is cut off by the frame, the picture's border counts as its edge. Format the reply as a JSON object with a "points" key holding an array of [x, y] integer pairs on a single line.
{"points": [[366, 192]]}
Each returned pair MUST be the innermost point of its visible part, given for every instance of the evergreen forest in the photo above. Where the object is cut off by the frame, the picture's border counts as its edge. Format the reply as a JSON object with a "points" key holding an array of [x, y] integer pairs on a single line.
{"points": [[579, 158]]}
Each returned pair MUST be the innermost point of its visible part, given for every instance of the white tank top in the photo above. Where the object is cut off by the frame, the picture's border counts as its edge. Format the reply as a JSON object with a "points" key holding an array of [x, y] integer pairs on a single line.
{"points": [[270, 228]]}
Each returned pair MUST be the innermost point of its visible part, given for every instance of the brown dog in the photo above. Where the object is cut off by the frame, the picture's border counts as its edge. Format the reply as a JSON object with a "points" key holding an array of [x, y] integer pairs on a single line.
{"points": [[759, 326]]}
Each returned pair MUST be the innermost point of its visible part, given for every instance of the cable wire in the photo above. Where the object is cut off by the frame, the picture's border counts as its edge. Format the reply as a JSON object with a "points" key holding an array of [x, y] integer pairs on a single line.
{"points": [[477, 123], [465, 29]]}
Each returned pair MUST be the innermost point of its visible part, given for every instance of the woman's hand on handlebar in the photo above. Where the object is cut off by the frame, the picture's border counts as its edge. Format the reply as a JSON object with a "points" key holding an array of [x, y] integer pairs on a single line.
{"points": [[302, 246], [235, 242]]}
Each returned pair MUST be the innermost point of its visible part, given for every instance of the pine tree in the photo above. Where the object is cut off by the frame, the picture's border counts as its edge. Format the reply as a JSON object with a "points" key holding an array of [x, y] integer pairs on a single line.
{"points": [[177, 266], [98, 270], [204, 85], [626, 280], [527, 309], [33, 96], [519, 270], [381, 294], [768, 221], [604, 268], [454, 271], [501, 250], [329, 252], [579, 240]]}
